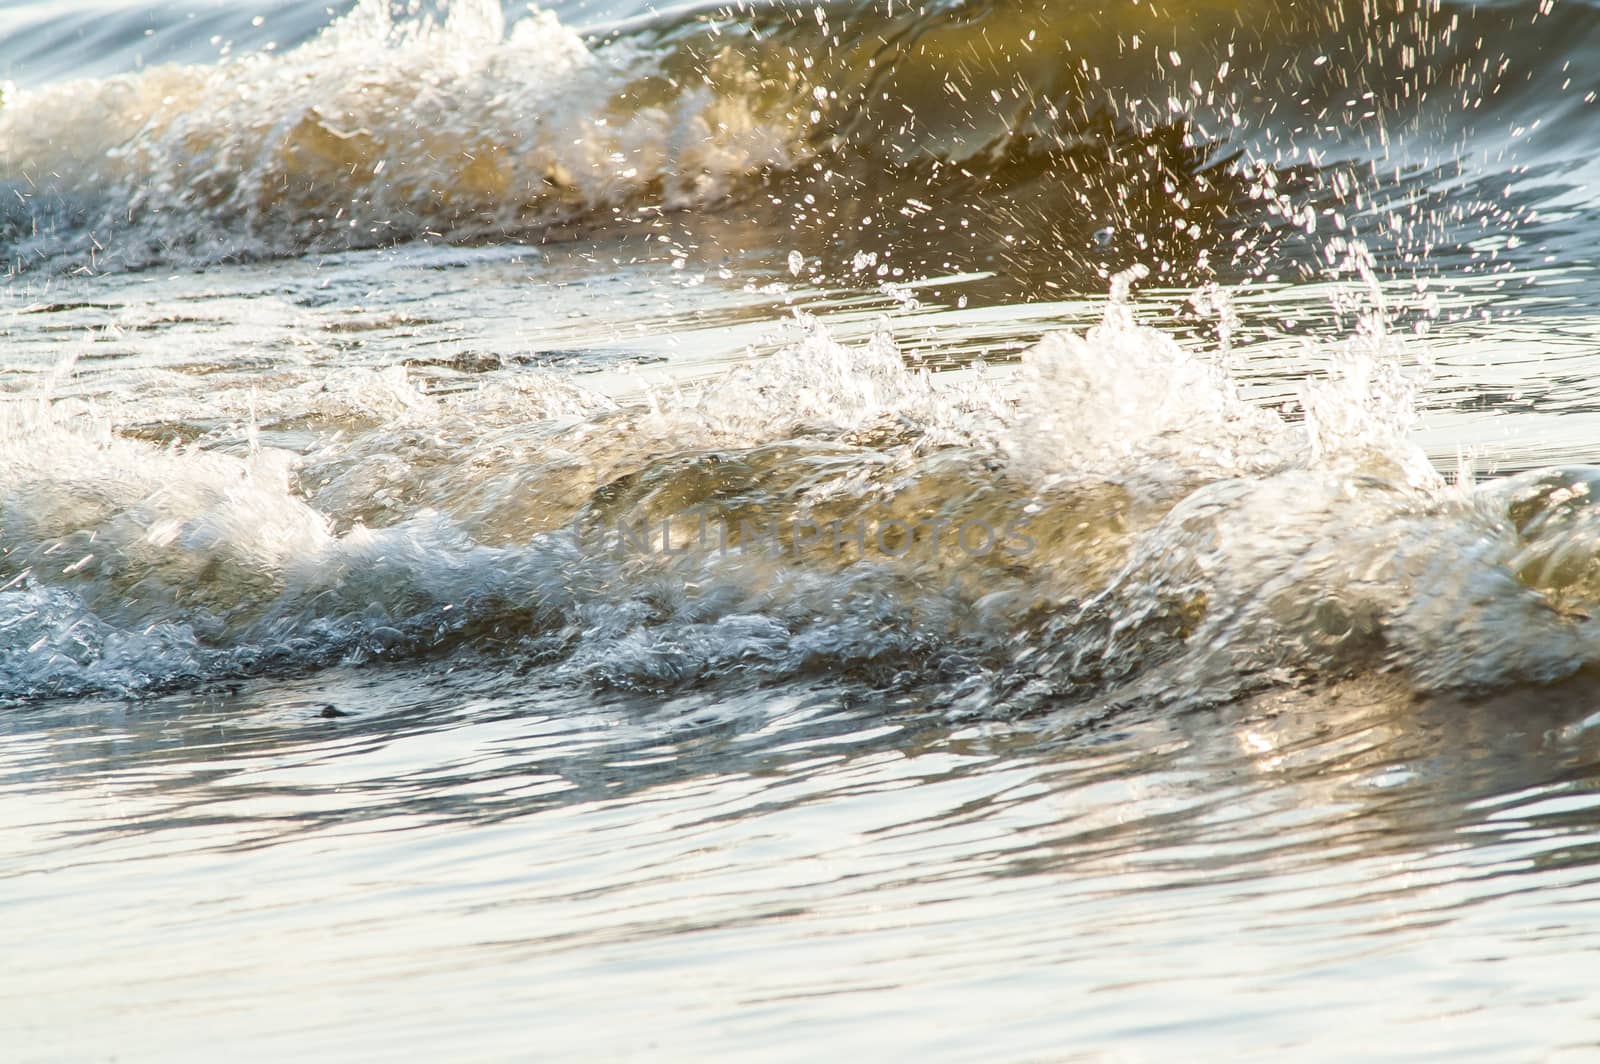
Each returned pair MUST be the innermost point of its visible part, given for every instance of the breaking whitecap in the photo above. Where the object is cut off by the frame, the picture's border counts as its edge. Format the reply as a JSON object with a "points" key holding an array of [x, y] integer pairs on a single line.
{"points": [[1168, 540]]}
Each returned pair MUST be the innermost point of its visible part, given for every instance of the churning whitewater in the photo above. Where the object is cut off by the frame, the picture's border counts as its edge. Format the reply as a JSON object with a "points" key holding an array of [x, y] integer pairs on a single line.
{"points": [[1147, 532], [864, 128], [1168, 540]]}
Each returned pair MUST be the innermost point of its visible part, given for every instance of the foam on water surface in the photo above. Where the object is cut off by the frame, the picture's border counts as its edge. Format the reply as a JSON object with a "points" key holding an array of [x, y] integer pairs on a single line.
{"points": [[375, 132], [1107, 519], [868, 133]]}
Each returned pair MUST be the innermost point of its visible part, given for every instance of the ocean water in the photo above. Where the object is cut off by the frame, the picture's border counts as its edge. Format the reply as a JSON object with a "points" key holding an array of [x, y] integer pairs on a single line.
{"points": [[972, 530]]}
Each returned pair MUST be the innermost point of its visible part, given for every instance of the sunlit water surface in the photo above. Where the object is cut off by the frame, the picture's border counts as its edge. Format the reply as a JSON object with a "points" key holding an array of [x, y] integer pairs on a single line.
{"points": [[330, 731]]}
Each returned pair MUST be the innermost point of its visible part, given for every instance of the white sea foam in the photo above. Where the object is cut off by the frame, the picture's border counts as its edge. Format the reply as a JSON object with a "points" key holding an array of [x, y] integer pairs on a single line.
{"points": [[1169, 521], [376, 131]]}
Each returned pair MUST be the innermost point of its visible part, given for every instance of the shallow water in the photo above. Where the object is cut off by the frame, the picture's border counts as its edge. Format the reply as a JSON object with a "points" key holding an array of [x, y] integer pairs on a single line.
{"points": [[492, 870], [1004, 531]]}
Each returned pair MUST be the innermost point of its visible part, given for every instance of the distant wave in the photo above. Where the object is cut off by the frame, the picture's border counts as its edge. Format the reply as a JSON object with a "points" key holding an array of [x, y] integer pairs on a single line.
{"points": [[1209, 136]]}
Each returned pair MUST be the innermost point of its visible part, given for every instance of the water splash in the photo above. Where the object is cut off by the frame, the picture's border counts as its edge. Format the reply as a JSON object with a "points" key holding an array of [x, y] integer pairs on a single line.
{"points": [[1147, 533]]}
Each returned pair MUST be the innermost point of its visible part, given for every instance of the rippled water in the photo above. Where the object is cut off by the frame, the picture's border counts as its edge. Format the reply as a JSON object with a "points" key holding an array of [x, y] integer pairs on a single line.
{"points": [[488, 869], [989, 530]]}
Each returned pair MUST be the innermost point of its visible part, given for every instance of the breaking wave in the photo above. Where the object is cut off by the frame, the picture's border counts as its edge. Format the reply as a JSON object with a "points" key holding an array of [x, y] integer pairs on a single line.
{"points": [[1000, 539], [1147, 533], [1219, 142]]}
